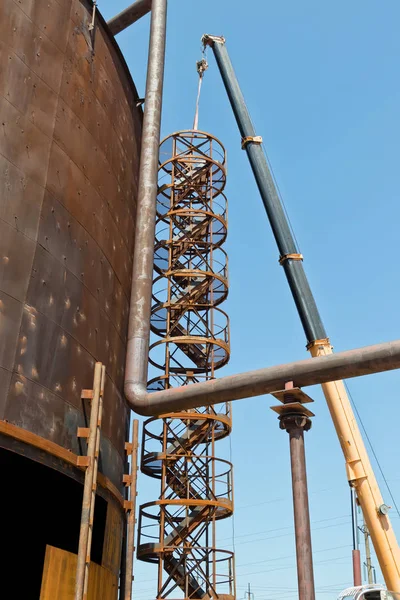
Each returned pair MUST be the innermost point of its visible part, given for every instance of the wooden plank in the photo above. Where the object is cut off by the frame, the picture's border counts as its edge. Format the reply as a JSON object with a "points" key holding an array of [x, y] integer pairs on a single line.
{"points": [[112, 539], [83, 432], [59, 578]]}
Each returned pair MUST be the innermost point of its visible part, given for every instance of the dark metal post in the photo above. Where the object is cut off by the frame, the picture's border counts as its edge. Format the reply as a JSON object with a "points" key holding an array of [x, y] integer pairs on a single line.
{"points": [[295, 419]]}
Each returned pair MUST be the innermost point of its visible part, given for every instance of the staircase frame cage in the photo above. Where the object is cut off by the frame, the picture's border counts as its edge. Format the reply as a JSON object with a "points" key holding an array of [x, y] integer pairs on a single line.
{"points": [[189, 343]]}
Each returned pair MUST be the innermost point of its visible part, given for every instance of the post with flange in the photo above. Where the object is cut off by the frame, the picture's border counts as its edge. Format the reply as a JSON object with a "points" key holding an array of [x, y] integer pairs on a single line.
{"points": [[294, 417]]}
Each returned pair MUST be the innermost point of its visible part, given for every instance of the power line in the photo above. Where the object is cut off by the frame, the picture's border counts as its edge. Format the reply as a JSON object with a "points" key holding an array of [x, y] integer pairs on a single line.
{"points": [[279, 499], [292, 566], [372, 448], [274, 537], [290, 556], [286, 527], [253, 563]]}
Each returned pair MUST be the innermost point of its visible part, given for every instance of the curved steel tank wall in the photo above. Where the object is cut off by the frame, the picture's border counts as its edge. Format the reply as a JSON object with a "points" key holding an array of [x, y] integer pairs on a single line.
{"points": [[69, 155]]}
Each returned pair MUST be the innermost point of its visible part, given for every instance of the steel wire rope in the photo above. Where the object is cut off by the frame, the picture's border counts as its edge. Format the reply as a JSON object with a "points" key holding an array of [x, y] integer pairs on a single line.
{"points": [[372, 448]]}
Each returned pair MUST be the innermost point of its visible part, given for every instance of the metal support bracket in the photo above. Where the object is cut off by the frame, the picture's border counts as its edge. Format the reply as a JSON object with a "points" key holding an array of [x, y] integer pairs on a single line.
{"points": [[209, 40], [251, 139], [293, 256]]}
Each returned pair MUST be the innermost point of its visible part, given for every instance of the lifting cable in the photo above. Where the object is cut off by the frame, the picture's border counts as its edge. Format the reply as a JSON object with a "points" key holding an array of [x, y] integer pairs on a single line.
{"points": [[202, 66]]}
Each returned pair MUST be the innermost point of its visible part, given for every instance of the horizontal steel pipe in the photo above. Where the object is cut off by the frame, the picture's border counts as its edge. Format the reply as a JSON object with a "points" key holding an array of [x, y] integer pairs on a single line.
{"points": [[130, 15], [343, 365]]}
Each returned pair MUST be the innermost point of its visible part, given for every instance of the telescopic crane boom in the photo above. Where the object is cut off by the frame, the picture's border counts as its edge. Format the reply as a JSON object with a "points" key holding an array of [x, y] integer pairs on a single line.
{"points": [[358, 466]]}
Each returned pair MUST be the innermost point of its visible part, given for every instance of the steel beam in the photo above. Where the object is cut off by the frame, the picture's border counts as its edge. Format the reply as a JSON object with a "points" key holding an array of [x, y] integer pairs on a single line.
{"points": [[130, 15]]}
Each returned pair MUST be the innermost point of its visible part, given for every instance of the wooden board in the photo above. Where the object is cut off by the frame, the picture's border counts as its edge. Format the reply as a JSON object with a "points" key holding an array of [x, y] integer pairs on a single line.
{"points": [[59, 578], [112, 539]]}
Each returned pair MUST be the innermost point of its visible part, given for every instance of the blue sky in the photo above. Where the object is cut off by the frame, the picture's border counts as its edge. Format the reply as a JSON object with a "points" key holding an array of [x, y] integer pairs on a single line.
{"points": [[322, 84]]}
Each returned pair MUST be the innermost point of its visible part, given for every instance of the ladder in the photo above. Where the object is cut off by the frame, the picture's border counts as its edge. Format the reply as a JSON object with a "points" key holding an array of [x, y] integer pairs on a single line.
{"points": [[91, 463]]}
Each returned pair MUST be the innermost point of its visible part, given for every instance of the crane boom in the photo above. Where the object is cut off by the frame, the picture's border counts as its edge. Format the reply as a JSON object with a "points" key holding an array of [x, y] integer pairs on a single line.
{"points": [[358, 467]]}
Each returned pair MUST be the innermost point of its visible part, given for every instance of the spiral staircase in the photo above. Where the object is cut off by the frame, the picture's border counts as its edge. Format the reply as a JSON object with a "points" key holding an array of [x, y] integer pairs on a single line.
{"points": [[190, 341]]}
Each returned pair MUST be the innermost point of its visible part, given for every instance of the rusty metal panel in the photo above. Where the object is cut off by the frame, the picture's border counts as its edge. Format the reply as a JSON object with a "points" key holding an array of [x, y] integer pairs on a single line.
{"points": [[62, 236], [115, 406], [111, 462], [38, 52], [16, 257], [21, 199], [50, 17], [62, 298], [23, 144], [35, 408], [81, 99], [5, 378], [26, 91], [10, 322], [78, 143], [69, 185], [69, 156], [46, 354]]}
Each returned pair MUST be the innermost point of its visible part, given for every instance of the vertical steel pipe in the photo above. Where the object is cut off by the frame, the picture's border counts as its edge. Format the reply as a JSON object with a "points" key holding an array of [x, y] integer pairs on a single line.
{"points": [[305, 571], [142, 275]]}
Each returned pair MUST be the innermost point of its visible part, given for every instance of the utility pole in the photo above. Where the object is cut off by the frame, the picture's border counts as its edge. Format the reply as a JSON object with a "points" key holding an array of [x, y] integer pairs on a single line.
{"points": [[368, 560], [249, 595], [356, 550]]}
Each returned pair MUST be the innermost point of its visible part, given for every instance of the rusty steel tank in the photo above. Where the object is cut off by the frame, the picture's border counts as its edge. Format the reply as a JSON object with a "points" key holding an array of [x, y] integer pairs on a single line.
{"points": [[70, 133]]}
